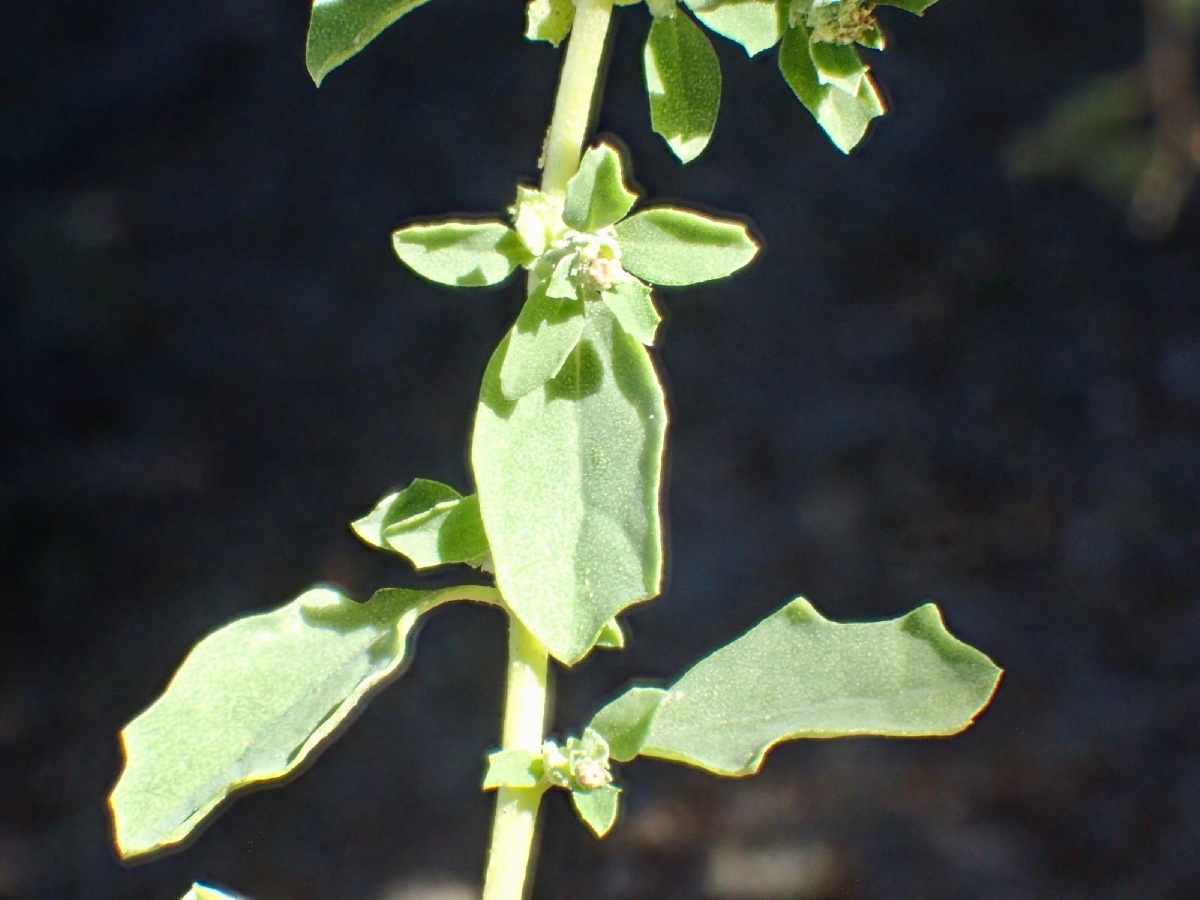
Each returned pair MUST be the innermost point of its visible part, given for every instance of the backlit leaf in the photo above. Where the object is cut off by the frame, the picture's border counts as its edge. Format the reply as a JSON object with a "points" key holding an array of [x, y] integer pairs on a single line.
{"points": [[568, 480], [549, 20], [683, 81], [676, 247], [462, 254], [340, 28]]}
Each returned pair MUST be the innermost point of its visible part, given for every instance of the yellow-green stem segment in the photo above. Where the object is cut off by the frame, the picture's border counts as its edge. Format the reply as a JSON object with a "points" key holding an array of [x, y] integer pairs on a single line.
{"points": [[514, 830]]}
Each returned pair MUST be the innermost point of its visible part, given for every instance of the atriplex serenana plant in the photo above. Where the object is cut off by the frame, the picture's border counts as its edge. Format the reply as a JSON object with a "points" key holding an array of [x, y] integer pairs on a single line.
{"points": [[567, 455]]}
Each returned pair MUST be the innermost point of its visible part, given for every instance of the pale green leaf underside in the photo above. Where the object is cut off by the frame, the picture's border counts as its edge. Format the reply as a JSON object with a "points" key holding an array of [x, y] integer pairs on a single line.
{"points": [[340, 28], [428, 522], [631, 302], [844, 117], [568, 479], [676, 247], [549, 20], [683, 81], [251, 703], [596, 194], [798, 675], [755, 24], [598, 808], [203, 892], [612, 637], [545, 333], [460, 254]]}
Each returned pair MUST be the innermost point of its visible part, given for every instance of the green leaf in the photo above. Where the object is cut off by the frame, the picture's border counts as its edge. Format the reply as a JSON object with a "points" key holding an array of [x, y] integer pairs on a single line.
{"points": [[675, 247], [340, 28], [428, 522], [844, 117], [683, 81], [632, 304], [549, 20], [838, 65], [253, 702], [612, 637], [917, 7], [461, 254], [798, 675], [596, 194], [755, 24], [203, 892], [513, 768], [544, 335], [626, 721], [598, 808], [568, 480]]}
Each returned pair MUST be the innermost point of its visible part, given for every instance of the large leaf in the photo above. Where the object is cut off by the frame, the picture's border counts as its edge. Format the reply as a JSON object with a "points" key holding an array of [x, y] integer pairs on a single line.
{"points": [[340, 28], [462, 254], [755, 24], [596, 194], [683, 80], [429, 522], [545, 333], [568, 480], [798, 675], [844, 116], [676, 247], [253, 701]]}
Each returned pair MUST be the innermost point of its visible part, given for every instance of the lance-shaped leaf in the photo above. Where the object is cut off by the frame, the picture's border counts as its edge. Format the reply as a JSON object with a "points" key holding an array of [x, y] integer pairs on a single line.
{"points": [[545, 333], [844, 116], [340, 28], [633, 305], [549, 20], [568, 480], [597, 808], [461, 254], [676, 247], [253, 701], [798, 675], [596, 194], [683, 80], [429, 522], [917, 7], [204, 892], [755, 24]]}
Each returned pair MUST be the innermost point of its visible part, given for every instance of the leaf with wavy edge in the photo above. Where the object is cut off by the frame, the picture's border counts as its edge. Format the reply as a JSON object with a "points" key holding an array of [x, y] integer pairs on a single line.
{"points": [[254, 701]]}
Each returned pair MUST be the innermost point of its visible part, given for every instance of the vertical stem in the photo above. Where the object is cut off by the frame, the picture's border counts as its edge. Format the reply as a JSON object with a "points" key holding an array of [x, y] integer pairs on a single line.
{"points": [[514, 830], [577, 89]]}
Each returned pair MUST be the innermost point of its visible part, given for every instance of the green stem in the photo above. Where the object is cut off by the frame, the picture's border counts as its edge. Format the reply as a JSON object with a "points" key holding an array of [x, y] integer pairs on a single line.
{"points": [[514, 830], [577, 89]]}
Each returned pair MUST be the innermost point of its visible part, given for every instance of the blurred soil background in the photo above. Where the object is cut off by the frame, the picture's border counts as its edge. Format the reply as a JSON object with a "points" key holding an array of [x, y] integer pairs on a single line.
{"points": [[937, 383]]}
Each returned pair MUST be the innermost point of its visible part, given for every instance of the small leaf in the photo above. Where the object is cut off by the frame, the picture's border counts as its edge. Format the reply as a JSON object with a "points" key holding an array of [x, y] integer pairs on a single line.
{"points": [[461, 254], [916, 7], [683, 81], [625, 722], [838, 65], [568, 480], [844, 117], [675, 247], [798, 675], [203, 892], [513, 768], [596, 194], [560, 285], [428, 522], [632, 304], [340, 28], [549, 20], [252, 702], [755, 24], [598, 808], [544, 335], [612, 637]]}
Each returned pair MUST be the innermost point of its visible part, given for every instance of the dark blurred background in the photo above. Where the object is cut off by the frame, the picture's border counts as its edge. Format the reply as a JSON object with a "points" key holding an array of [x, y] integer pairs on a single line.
{"points": [[938, 383]]}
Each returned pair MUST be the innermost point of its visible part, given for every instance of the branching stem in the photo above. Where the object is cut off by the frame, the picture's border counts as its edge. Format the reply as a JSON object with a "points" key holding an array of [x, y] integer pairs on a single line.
{"points": [[511, 855]]}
